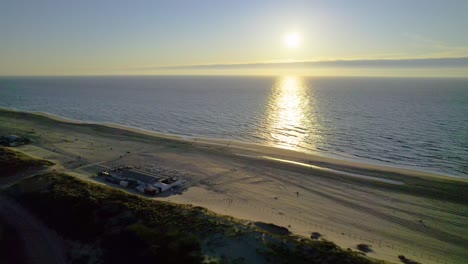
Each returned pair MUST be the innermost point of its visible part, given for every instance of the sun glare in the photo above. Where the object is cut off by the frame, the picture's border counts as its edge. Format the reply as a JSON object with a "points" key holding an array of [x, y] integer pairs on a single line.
{"points": [[291, 108], [292, 40]]}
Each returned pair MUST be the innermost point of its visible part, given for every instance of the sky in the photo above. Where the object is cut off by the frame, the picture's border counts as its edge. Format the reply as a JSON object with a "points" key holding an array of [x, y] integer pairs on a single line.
{"points": [[117, 37]]}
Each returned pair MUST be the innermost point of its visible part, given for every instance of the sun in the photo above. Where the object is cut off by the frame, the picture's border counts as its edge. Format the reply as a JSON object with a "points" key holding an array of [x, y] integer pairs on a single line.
{"points": [[292, 40]]}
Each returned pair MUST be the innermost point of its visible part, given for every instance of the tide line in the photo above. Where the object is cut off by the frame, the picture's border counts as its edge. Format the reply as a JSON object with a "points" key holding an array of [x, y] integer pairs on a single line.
{"points": [[326, 169]]}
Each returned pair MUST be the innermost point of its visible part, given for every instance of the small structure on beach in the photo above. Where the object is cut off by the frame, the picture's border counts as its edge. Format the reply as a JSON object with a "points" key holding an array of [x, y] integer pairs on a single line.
{"points": [[113, 178], [139, 176], [13, 140], [168, 183], [143, 182]]}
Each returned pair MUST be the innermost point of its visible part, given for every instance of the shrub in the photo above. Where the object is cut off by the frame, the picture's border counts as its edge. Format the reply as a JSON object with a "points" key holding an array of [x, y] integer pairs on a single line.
{"points": [[315, 235], [364, 248]]}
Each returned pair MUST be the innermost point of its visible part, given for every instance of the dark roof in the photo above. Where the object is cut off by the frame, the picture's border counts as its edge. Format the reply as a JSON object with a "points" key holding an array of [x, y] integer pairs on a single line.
{"points": [[12, 137], [139, 175]]}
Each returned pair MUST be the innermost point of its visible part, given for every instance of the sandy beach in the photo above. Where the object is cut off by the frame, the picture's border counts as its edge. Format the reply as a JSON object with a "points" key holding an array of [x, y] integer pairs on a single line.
{"points": [[396, 211]]}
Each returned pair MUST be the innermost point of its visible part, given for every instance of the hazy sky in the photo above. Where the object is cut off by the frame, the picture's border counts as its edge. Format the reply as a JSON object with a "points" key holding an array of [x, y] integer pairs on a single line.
{"points": [[43, 37]]}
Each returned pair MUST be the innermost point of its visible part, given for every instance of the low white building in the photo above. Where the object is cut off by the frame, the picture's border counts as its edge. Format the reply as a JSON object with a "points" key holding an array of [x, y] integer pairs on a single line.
{"points": [[124, 183], [10, 140], [167, 184], [141, 188]]}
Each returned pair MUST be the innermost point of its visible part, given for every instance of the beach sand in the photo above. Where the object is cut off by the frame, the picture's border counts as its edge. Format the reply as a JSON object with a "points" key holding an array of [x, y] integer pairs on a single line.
{"points": [[397, 211]]}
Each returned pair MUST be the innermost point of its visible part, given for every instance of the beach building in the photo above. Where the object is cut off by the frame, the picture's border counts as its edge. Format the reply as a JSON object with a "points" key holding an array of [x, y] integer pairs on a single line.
{"points": [[123, 183], [168, 183], [143, 182], [131, 174], [11, 140], [146, 189], [141, 188], [114, 178]]}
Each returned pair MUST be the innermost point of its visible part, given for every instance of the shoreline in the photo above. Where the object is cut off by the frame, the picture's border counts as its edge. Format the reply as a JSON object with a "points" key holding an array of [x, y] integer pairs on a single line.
{"points": [[290, 154]]}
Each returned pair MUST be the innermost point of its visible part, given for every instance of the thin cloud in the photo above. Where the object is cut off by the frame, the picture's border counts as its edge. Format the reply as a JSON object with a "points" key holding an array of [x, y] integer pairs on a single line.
{"points": [[368, 63]]}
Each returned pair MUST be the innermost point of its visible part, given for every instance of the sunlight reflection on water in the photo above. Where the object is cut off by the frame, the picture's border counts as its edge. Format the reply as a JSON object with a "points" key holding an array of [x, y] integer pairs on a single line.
{"points": [[291, 115]]}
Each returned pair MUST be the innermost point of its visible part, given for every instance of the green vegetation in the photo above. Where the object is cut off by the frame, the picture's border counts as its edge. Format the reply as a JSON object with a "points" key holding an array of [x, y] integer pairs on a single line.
{"points": [[312, 252], [406, 260], [127, 228], [272, 228], [12, 162], [364, 248]]}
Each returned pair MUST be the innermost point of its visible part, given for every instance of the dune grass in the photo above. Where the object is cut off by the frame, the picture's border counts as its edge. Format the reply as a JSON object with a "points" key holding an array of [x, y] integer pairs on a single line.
{"points": [[128, 228], [12, 162]]}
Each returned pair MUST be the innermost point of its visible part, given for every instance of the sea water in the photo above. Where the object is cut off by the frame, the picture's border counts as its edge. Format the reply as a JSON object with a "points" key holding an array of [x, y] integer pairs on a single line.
{"points": [[420, 123]]}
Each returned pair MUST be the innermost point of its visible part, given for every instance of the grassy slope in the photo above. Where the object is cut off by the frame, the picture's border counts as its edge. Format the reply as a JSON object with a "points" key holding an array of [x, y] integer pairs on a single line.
{"points": [[128, 228], [12, 162]]}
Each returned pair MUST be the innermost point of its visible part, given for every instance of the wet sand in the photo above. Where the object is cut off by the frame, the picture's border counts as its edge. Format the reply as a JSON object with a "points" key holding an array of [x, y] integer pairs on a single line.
{"points": [[397, 211]]}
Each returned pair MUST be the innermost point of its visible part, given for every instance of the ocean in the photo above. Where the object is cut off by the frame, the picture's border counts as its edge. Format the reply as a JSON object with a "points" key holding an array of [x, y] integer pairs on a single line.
{"points": [[418, 123]]}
